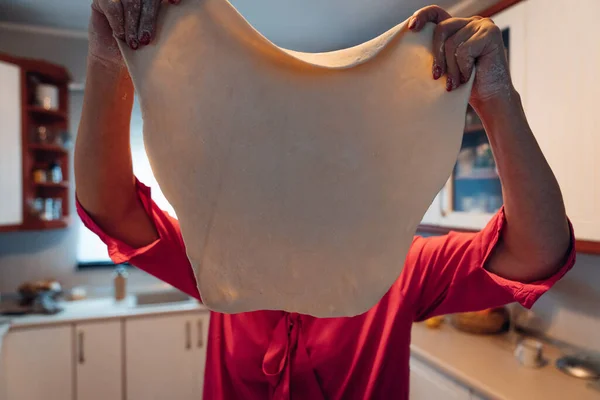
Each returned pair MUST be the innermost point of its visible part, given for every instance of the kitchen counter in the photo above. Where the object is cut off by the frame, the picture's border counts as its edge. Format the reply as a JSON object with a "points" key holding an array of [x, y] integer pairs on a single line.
{"points": [[484, 363], [487, 364], [103, 309]]}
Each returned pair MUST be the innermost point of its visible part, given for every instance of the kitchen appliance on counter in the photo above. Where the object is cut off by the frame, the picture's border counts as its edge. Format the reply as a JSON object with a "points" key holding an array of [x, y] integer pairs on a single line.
{"points": [[39, 297]]}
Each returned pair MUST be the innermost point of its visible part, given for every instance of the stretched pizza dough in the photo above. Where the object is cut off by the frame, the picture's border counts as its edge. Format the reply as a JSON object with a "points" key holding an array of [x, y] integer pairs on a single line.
{"points": [[298, 179]]}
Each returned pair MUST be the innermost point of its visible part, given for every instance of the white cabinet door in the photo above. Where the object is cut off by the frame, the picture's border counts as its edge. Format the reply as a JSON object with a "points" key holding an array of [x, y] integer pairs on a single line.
{"points": [[38, 364], [426, 384], [160, 355], [562, 101], [11, 157], [99, 361], [202, 322]]}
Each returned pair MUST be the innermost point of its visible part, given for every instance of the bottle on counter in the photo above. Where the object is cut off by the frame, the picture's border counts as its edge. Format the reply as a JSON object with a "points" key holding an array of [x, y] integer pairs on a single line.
{"points": [[120, 283]]}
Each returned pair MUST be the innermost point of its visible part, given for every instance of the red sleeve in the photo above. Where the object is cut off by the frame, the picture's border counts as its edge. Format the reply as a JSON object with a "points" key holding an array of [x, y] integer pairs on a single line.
{"points": [[164, 258], [446, 274]]}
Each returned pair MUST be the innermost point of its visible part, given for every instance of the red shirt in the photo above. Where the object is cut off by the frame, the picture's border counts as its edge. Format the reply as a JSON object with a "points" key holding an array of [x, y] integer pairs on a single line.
{"points": [[278, 355]]}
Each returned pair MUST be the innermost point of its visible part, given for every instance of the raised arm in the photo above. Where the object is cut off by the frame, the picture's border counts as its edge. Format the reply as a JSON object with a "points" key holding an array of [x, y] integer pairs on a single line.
{"points": [[103, 167], [536, 237]]}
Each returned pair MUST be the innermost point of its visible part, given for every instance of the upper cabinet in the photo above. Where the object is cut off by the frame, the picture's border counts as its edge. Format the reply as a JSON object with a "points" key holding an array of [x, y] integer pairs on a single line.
{"points": [[34, 161], [11, 149], [553, 69], [563, 54]]}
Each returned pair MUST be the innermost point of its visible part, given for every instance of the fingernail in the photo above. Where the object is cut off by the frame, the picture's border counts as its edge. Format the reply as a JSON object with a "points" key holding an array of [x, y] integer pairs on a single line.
{"points": [[437, 72], [134, 44], [412, 23], [449, 84], [145, 38]]}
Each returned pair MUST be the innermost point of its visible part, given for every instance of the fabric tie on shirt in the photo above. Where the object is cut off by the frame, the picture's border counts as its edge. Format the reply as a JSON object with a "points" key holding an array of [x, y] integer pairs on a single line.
{"points": [[287, 351]]}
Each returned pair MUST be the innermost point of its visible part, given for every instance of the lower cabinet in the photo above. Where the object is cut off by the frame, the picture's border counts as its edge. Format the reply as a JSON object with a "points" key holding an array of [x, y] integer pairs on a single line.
{"points": [[99, 361], [37, 364], [141, 358], [166, 357], [427, 383]]}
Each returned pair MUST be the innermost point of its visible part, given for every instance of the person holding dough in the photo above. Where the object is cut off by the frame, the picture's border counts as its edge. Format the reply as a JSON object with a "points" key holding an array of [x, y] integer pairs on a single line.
{"points": [[524, 250]]}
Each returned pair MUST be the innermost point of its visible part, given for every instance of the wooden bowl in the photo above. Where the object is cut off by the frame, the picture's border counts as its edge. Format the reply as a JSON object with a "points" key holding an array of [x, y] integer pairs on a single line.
{"points": [[491, 321]]}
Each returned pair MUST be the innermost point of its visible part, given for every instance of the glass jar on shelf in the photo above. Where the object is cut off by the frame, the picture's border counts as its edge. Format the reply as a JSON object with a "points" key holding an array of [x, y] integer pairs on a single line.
{"points": [[55, 174], [48, 210], [39, 175]]}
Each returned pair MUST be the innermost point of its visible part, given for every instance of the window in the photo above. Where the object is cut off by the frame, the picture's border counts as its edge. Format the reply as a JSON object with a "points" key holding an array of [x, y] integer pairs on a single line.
{"points": [[91, 251]]}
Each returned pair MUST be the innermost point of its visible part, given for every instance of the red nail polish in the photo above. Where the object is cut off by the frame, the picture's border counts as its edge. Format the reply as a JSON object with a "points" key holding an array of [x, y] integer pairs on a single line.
{"points": [[437, 72], [412, 23], [134, 44], [145, 38], [449, 85]]}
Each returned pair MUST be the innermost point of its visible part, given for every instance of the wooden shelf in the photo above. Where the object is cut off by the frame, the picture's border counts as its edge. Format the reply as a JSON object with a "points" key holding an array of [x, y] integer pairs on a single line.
{"points": [[52, 148], [55, 115], [39, 224], [42, 155], [483, 175], [60, 185]]}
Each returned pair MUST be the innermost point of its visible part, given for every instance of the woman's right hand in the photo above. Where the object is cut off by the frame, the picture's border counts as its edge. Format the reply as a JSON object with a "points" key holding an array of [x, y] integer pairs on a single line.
{"points": [[133, 21]]}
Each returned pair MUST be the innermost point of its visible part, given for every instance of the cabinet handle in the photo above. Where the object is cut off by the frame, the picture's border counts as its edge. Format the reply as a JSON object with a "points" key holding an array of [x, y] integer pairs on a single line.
{"points": [[200, 334], [81, 354], [188, 335]]}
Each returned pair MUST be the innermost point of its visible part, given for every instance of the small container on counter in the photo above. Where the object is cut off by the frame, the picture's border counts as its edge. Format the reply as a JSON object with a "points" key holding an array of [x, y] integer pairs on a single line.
{"points": [[120, 283]]}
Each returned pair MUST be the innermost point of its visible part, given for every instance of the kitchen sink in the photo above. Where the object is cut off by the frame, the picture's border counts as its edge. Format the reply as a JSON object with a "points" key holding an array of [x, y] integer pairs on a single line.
{"points": [[161, 297]]}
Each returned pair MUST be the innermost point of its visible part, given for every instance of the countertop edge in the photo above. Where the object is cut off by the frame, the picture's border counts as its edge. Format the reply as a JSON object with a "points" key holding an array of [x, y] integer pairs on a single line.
{"points": [[454, 373], [109, 313]]}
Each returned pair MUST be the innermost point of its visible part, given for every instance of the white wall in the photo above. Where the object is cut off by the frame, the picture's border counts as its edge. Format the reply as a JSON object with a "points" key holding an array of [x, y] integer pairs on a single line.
{"points": [[571, 310]]}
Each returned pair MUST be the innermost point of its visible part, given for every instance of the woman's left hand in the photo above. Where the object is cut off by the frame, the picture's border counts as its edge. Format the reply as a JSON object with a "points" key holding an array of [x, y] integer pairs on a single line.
{"points": [[459, 44]]}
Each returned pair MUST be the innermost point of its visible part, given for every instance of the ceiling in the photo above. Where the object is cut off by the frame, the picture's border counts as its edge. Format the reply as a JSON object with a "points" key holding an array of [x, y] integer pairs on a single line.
{"points": [[74, 14], [283, 21]]}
